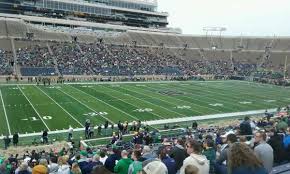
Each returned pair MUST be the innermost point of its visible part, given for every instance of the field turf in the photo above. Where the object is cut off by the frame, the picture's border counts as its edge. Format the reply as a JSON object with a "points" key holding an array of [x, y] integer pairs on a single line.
{"points": [[31, 108]]}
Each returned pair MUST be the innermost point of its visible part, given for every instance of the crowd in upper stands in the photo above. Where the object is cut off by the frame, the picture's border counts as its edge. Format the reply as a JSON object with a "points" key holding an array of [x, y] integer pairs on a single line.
{"points": [[252, 147]]}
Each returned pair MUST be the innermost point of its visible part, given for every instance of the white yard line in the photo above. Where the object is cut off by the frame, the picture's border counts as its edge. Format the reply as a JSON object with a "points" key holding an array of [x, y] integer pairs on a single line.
{"points": [[5, 113], [85, 105], [61, 107], [130, 103], [107, 103], [33, 108]]}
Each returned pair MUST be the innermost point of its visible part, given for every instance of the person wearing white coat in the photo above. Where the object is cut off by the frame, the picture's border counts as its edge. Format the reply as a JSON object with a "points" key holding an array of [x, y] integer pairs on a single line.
{"points": [[195, 158]]}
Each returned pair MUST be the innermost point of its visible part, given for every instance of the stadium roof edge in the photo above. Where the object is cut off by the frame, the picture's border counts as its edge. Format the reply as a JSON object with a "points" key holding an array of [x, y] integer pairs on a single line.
{"points": [[27, 18]]}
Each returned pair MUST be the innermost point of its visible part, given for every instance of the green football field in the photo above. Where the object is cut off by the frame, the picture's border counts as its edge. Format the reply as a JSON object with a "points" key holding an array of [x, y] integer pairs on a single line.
{"points": [[31, 108]]}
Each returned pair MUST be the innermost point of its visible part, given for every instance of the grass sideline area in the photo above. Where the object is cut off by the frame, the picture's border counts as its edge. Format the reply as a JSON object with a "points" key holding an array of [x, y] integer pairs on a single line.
{"points": [[31, 108]]}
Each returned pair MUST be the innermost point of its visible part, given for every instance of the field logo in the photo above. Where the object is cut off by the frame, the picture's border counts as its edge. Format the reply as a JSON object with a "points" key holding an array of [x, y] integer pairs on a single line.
{"points": [[93, 114], [46, 117], [216, 104], [143, 110], [245, 102], [182, 107], [54, 87], [270, 101]]}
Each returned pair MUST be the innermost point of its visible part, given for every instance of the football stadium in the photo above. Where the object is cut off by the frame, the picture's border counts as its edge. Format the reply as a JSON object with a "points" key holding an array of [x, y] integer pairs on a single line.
{"points": [[106, 86]]}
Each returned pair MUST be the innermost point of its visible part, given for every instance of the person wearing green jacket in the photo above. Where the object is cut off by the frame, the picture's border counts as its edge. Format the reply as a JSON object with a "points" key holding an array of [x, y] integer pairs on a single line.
{"points": [[136, 166], [210, 153], [122, 166]]}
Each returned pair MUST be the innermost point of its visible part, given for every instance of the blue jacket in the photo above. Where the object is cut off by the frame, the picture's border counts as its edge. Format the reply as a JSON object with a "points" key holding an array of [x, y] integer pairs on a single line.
{"points": [[111, 162], [170, 164], [246, 170], [286, 141], [87, 169]]}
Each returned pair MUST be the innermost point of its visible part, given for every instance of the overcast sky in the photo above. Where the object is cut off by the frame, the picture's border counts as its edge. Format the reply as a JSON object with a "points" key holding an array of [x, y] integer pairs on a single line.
{"points": [[240, 17]]}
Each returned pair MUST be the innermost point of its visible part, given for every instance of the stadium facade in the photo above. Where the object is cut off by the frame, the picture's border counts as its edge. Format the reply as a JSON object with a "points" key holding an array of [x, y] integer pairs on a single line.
{"points": [[137, 13]]}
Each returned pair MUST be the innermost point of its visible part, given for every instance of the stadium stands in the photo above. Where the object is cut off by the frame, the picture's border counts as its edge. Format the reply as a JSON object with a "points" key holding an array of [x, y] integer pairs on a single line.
{"points": [[5, 62]]}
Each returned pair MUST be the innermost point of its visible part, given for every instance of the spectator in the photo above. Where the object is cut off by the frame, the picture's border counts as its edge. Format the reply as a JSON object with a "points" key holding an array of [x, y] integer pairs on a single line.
{"points": [[210, 153], [264, 151], [154, 167], [167, 160], [39, 169], [195, 158], [282, 125], [53, 166], [147, 154], [75, 169], [23, 169], [276, 142], [15, 139], [136, 166], [286, 141], [122, 166], [242, 160], [245, 127], [101, 170], [178, 153], [89, 167], [64, 168], [112, 160], [103, 157], [221, 161], [83, 162], [191, 169]]}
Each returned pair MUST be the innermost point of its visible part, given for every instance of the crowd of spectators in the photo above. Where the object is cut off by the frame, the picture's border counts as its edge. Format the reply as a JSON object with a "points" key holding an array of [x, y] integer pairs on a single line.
{"points": [[252, 147], [128, 60], [34, 56], [6, 58]]}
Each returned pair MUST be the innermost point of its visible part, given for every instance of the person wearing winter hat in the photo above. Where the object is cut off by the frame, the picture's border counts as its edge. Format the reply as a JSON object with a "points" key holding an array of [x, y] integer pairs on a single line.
{"points": [[195, 158], [39, 169], [154, 166]]}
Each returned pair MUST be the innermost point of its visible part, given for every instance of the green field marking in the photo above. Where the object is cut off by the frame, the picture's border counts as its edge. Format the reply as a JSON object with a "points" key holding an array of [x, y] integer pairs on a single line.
{"points": [[57, 118], [85, 112], [159, 109], [105, 95], [68, 113], [117, 116], [4, 121], [163, 100], [20, 112]]}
